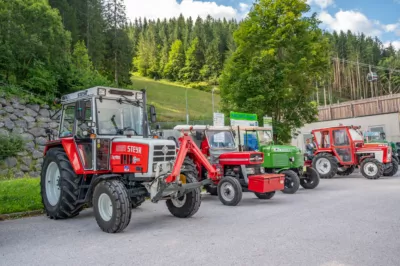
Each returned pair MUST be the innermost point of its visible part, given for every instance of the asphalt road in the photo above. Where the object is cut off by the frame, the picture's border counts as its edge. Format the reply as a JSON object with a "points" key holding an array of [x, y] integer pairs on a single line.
{"points": [[345, 221]]}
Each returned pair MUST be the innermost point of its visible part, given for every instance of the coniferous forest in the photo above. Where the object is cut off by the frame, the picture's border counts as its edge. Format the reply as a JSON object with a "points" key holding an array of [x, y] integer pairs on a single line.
{"points": [[58, 46]]}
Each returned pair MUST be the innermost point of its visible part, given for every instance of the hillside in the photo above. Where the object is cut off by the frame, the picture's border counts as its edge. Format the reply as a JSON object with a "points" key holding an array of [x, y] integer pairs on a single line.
{"points": [[170, 101]]}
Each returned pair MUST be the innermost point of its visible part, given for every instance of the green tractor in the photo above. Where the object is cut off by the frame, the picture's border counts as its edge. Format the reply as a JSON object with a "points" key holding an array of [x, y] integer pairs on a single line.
{"points": [[380, 137], [285, 159]]}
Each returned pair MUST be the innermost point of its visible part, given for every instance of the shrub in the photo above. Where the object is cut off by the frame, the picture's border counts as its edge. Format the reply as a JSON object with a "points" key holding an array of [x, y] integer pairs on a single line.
{"points": [[10, 145]]}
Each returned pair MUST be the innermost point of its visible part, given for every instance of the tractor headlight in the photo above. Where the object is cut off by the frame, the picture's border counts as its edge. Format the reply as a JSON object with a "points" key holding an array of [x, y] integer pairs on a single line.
{"points": [[250, 171], [262, 170], [101, 91]]}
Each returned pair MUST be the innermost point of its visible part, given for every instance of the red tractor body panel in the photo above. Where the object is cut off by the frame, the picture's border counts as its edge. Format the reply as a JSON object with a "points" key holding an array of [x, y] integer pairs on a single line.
{"points": [[266, 183], [129, 157], [235, 158]]}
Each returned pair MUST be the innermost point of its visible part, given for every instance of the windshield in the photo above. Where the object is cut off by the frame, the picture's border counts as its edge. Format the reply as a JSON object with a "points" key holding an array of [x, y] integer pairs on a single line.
{"points": [[264, 137], [114, 117], [220, 139], [355, 135]]}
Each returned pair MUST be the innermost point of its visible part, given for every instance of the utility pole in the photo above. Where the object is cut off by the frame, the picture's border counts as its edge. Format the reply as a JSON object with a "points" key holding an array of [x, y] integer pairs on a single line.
{"points": [[372, 85], [212, 95]]}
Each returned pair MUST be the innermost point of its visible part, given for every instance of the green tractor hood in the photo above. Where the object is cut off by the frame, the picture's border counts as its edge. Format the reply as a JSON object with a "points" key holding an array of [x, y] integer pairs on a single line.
{"points": [[282, 156]]}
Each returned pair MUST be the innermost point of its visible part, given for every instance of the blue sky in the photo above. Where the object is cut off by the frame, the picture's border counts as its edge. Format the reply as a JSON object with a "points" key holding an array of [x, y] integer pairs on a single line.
{"points": [[379, 18]]}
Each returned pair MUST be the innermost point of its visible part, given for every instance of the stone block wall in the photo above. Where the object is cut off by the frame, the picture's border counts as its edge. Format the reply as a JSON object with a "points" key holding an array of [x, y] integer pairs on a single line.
{"points": [[30, 122]]}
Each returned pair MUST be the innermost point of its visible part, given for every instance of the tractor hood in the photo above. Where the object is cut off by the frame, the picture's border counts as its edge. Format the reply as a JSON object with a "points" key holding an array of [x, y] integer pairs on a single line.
{"points": [[281, 149], [236, 158]]}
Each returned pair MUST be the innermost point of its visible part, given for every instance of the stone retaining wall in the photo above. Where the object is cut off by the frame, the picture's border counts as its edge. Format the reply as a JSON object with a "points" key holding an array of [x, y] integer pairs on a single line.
{"points": [[30, 122]]}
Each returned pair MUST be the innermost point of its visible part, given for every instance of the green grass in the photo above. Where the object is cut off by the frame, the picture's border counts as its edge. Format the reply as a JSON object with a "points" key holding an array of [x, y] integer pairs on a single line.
{"points": [[170, 102], [19, 195]]}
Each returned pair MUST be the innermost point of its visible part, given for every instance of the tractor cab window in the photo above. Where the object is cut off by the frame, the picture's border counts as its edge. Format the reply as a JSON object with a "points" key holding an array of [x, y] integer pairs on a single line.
{"points": [[82, 126], [355, 135], [68, 119], [264, 137], [116, 116], [340, 137], [220, 139]]}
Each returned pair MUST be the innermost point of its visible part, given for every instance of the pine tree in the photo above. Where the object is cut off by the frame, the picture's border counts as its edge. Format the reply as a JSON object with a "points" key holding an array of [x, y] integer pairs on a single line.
{"points": [[194, 62], [176, 61]]}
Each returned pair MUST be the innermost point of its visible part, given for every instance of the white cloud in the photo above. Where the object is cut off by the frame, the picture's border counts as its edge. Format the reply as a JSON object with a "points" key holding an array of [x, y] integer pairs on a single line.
{"points": [[321, 3], [154, 9], [391, 27], [351, 20], [395, 44]]}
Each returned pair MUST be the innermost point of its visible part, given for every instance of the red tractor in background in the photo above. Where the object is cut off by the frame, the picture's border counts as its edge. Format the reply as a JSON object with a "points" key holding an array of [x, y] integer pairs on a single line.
{"points": [[341, 149], [104, 156], [213, 155]]}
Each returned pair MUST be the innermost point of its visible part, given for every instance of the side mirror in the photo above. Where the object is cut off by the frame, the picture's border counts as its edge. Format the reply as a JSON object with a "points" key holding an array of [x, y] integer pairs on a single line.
{"points": [[153, 115], [80, 110]]}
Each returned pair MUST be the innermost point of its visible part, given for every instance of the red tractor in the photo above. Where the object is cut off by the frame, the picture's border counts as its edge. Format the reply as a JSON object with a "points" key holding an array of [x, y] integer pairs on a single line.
{"points": [[340, 149], [104, 156], [213, 155]]}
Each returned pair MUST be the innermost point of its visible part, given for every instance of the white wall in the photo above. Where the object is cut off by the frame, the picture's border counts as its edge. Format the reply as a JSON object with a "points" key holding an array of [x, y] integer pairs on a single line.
{"points": [[390, 123]]}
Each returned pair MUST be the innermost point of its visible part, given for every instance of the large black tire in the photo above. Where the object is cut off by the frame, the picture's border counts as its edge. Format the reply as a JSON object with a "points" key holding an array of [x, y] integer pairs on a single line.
{"points": [[265, 196], [392, 168], [292, 182], [187, 205], [67, 184], [344, 171], [327, 162], [112, 192], [371, 168], [230, 191], [311, 179]]}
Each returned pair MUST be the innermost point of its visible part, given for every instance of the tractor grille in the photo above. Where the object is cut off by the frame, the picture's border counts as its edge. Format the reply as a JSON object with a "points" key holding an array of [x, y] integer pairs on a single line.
{"points": [[128, 159], [280, 160], [164, 153]]}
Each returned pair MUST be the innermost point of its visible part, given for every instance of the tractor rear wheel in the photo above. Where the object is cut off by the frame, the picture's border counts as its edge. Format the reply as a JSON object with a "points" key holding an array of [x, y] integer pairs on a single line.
{"points": [[311, 179], [59, 186], [230, 191], [391, 168], [111, 206], [344, 171], [267, 195], [187, 205], [325, 164], [292, 182], [371, 168]]}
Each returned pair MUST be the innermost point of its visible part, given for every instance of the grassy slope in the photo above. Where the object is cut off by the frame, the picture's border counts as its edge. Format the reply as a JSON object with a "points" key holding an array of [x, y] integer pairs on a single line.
{"points": [[170, 102], [20, 195]]}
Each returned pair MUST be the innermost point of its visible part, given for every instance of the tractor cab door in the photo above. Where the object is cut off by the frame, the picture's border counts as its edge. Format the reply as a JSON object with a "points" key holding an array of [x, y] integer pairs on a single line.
{"points": [[83, 141], [342, 148]]}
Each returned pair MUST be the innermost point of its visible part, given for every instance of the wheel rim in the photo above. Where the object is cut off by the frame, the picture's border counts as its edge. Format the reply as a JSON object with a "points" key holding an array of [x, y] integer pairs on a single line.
{"points": [[228, 192], [105, 207], [289, 183], [52, 184], [179, 202], [323, 166], [370, 169]]}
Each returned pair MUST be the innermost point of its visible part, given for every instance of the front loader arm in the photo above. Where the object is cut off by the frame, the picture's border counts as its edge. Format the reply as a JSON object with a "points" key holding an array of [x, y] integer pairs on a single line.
{"points": [[188, 146]]}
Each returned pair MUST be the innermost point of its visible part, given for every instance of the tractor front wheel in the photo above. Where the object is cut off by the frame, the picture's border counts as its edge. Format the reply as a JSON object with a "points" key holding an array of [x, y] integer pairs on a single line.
{"points": [[311, 179], [391, 168], [111, 206], [292, 182], [59, 186], [187, 205], [371, 168], [325, 164], [229, 191], [344, 171], [267, 195]]}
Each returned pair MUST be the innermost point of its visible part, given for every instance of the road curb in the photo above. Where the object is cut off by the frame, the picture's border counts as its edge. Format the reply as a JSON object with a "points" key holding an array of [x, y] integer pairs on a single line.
{"points": [[17, 215]]}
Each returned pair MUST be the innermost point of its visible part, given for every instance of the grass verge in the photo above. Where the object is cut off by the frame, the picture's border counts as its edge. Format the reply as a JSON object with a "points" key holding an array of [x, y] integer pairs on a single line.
{"points": [[170, 100], [20, 195]]}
